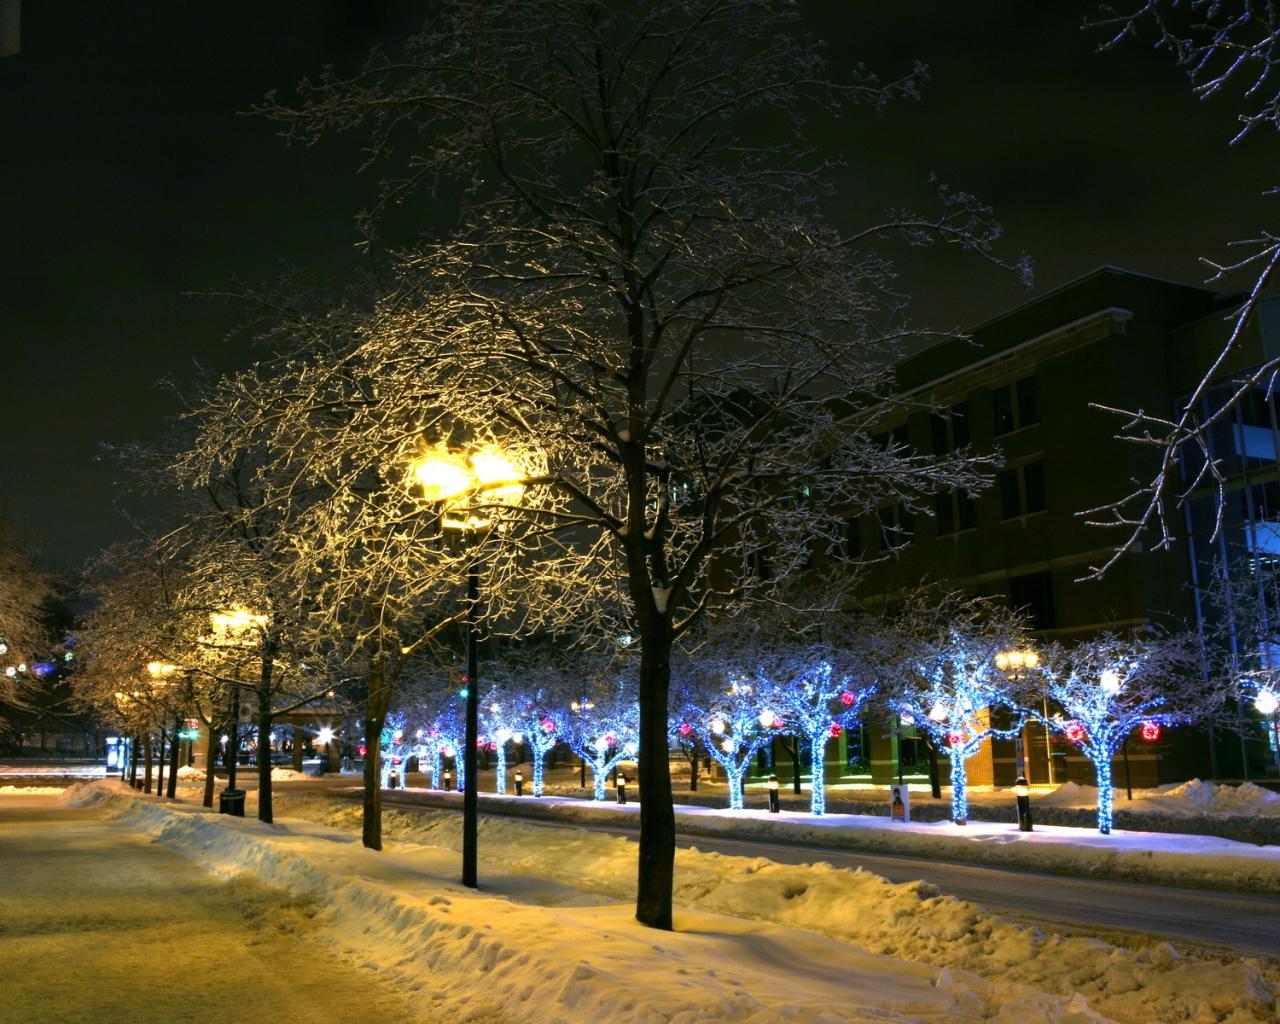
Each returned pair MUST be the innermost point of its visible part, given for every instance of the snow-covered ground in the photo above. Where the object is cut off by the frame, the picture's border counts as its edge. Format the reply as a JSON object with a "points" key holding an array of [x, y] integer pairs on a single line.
{"points": [[550, 937]]}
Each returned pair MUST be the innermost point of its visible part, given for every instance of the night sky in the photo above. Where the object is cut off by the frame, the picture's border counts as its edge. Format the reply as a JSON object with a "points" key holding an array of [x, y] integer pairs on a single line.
{"points": [[131, 179]]}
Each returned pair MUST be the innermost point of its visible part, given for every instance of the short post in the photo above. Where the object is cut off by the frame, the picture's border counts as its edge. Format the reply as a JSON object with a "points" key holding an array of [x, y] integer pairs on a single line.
{"points": [[448, 780], [519, 782], [774, 807], [622, 789], [1023, 792]]}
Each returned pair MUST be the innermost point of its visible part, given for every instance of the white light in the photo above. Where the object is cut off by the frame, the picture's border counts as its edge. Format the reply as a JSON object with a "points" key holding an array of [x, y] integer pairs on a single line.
{"points": [[938, 712], [728, 746], [502, 735], [22, 667], [448, 750], [11, 671], [718, 726], [906, 720], [325, 736], [602, 744], [1110, 681], [419, 734], [631, 748], [4, 648], [494, 708], [1266, 702], [766, 718], [517, 737]]}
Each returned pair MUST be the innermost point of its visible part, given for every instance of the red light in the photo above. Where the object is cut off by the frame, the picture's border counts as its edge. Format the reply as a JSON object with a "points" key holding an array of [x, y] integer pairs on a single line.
{"points": [[847, 699], [1150, 731], [493, 746], [685, 728], [548, 726], [363, 750], [954, 739], [1074, 732], [395, 761], [835, 730]]}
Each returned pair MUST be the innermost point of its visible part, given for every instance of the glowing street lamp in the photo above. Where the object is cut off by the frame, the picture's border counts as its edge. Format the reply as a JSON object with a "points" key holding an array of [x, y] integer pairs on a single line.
{"points": [[235, 627], [463, 485], [1015, 665]]}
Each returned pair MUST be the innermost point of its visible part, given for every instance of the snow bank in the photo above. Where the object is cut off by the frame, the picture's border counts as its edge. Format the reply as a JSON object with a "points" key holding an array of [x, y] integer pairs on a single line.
{"points": [[484, 957], [189, 774], [32, 790], [95, 793], [287, 775], [1206, 797], [908, 921]]}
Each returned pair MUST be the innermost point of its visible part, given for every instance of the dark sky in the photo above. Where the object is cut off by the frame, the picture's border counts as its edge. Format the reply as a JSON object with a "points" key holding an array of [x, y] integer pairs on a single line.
{"points": [[130, 179]]}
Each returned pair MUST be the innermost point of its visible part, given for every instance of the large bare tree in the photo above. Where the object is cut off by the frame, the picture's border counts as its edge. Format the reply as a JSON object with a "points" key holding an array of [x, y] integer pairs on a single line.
{"points": [[1227, 48], [641, 298]]}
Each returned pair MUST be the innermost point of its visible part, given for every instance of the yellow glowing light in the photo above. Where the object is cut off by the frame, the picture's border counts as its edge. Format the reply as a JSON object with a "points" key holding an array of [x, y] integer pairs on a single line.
{"points": [[442, 476], [161, 668], [1031, 659], [501, 479]]}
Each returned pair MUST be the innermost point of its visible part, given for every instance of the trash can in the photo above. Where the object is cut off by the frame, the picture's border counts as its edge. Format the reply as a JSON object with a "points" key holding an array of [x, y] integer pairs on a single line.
{"points": [[231, 801], [393, 780]]}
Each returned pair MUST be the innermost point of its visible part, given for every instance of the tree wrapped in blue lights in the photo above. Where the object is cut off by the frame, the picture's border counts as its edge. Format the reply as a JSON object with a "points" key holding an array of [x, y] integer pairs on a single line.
{"points": [[817, 701], [602, 727], [500, 725], [395, 751], [1110, 686], [731, 718], [954, 691]]}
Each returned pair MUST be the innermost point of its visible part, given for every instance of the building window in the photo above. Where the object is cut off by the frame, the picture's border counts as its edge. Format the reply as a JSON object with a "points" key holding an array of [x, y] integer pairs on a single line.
{"points": [[1015, 406], [1032, 595], [1022, 490], [897, 526], [853, 537], [950, 429], [955, 511]]}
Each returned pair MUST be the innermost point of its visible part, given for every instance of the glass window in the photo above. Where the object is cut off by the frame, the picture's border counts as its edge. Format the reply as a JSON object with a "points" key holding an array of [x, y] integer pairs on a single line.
{"points": [[960, 424], [1002, 409], [1032, 594], [1033, 486], [1028, 407], [1015, 405], [1010, 498], [968, 510], [1022, 490], [944, 509]]}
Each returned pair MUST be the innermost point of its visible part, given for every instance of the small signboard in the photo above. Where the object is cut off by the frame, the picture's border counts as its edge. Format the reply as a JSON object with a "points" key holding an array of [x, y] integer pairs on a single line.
{"points": [[899, 802]]}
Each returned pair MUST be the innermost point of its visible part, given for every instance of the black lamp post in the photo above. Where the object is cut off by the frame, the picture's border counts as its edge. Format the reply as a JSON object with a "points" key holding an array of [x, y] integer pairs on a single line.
{"points": [[1022, 791]]}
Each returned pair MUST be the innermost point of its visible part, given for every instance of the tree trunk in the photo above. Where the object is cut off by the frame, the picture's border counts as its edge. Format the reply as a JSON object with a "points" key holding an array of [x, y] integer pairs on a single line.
{"points": [[160, 766], [210, 752], [935, 780], [297, 748], [656, 874], [264, 730], [693, 769], [372, 831], [173, 761], [133, 760], [264, 760]]}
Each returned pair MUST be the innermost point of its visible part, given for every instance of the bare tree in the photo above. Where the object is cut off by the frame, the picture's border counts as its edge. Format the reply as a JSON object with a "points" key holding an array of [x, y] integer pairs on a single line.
{"points": [[24, 633], [1226, 47], [641, 297]]}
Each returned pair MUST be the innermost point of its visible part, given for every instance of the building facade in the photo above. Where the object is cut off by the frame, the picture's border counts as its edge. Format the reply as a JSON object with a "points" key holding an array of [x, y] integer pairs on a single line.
{"points": [[1028, 384]]}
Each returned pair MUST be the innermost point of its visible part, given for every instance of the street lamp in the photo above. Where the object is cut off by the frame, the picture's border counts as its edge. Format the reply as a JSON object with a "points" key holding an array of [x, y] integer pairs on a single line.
{"points": [[463, 485], [236, 627], [1015, 665]]}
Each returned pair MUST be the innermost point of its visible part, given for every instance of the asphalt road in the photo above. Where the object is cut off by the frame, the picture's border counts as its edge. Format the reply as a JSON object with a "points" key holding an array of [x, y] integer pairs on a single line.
{"points": [[1234, 921]]}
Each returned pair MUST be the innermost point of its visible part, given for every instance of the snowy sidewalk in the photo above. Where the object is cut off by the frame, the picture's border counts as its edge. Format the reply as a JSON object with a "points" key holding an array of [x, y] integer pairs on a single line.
{"points": [[1157, 857]]}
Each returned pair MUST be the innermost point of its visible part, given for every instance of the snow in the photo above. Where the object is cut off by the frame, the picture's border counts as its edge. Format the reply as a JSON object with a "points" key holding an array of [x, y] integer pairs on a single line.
{"points": [[550, 939], [287, 775], [31, 790], [189, 774]]}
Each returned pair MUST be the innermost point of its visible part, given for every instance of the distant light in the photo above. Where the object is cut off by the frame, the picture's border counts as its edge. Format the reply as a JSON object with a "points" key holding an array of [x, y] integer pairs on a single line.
{"points": [[1266, 702], [1110, 681]]}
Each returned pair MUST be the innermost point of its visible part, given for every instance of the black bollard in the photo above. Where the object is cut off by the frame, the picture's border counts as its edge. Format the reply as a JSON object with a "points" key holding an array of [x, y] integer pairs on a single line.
{"points": [[1022, 790], [519, 784], [448, 780], [622, 789], [774, 807]]}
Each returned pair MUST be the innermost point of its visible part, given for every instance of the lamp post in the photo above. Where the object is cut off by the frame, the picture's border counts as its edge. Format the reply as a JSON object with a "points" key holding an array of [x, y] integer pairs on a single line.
{"points": [[462, 484], [1016, 665], [229, 629]]}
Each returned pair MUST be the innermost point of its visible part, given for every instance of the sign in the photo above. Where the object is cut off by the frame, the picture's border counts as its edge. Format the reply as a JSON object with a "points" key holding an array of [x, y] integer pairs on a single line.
{"points": [[899, 803]]}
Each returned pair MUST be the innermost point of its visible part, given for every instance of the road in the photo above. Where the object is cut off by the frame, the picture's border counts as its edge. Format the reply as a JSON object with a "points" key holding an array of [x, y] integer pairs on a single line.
{"points": [[1237, 921]]}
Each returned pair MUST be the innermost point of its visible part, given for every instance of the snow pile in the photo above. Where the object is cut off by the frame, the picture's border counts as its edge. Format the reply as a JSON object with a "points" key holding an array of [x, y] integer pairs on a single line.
{"points": [[189, 774], [32, 790], [93, 794], [287, 775], [1069, 794], [908, 921], [1205, 797]]}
